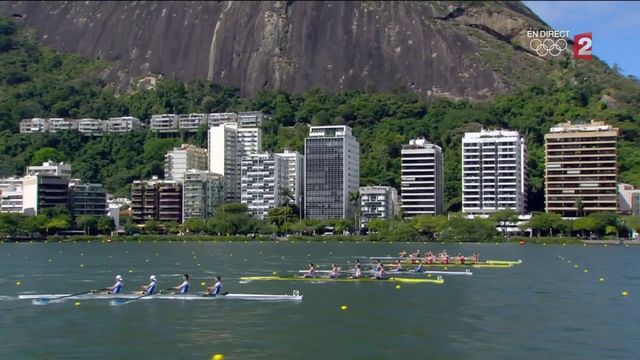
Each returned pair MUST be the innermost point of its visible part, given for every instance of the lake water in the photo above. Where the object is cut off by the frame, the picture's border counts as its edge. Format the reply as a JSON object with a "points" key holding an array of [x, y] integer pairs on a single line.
{"points": [[545, 308]]}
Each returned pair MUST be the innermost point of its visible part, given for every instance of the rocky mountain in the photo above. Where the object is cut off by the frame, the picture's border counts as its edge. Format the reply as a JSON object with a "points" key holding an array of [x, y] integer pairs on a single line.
{"points": [[457, 49]]}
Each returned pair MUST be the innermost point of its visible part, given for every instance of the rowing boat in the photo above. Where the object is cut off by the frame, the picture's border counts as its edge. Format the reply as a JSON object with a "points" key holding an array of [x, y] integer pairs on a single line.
{"points": [[258, 297], [473, 265], [406, 272], [439, 280], [509, 262]]}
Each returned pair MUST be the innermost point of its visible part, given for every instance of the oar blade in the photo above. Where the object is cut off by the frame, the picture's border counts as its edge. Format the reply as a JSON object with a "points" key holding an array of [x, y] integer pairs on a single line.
{"points": [[40, 301]]}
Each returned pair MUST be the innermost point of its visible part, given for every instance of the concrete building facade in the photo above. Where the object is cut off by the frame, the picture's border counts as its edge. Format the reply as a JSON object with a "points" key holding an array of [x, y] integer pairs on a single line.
{"points": [[87, 199], [378, 202], [160, 200], [422, 179], [494, 172], [202, 193], [180, 159], [294, 165], [263, 177], [11, 195], [332, 172], [44, 191], [581, 168]]}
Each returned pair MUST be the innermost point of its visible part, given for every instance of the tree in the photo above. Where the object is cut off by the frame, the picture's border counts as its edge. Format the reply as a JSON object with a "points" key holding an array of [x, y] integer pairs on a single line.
{"points": [[281, 215], [354, 201], [151, 226], [172, 227], [377, 225], [541, 221], [430, 225], [47, 154], [105, 225], [195, 225], [11, 224], [87, 223], [579, 206], [58, 224], [585, 224]]}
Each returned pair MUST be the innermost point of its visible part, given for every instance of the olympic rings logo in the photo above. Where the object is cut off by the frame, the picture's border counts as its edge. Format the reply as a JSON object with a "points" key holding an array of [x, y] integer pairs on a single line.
{"points": [[548, 46]]}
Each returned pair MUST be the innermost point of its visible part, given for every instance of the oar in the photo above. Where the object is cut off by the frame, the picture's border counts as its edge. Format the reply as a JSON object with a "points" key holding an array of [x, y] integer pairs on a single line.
{"points": [[125, 301], [43, 301]]}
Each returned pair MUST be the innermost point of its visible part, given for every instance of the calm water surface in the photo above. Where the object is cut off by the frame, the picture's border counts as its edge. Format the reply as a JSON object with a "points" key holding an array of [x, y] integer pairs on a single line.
{"points": [[545, 308]]}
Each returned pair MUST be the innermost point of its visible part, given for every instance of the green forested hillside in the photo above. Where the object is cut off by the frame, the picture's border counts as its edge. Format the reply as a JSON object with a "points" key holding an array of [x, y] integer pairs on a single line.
{"points": [[36, 81]]}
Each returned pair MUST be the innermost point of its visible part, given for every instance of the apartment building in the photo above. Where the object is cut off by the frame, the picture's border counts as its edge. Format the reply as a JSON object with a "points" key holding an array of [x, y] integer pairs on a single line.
{"points": [[202, 194], [11, 195], [122, 124], [294, 165], [581, 168], [494, 172], [180, 159], [90, 127], [35, 125], [50, 168], [87, 199], [164, 123], [263, 177], [422, 179], [191, 122], [44, 191], [378, 202], [160, 200]]}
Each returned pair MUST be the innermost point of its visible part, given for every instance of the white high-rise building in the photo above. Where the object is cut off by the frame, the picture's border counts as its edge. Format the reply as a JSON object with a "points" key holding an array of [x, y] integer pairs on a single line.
{"points": [[494, 172], [227, 144], [263, 175], [294, 173], [49, 168], [378, 202], [422, 179], [180, 159], [122, 124], [11, 195], [332, 172]]}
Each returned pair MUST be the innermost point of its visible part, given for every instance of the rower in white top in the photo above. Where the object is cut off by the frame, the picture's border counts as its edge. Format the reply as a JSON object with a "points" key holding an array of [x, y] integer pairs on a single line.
{"points": [[150, 289], [184, 287], [117, 287], [217, 288], [311, 273], [335, 271]]}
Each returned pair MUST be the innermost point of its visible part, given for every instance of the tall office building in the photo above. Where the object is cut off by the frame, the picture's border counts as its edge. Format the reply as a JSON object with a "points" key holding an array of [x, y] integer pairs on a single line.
{"points": [[294, 163], [494, 172], [263, 177], [378, 202], [422, 179], [202, 193], [160, 200], [178, 160], [227, 144], [332, 172], [44, 191], [87, 199], [581, 168]]}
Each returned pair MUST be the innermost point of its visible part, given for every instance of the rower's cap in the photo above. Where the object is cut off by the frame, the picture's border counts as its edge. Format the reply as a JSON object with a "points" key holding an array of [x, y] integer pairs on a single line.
{"points": [[119, 277], [152, 278]]}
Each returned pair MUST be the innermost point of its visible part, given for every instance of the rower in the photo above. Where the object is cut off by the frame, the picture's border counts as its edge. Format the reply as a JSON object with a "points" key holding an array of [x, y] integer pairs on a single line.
{"points": [[399, 265], [151, 288], [379, 275], [419, 268], [461, 258], [117, 287], [335, 271], [475, 257], [378, 265], [217, 288], [358, 272], [311, 273], [402, 253], [184, 287]]}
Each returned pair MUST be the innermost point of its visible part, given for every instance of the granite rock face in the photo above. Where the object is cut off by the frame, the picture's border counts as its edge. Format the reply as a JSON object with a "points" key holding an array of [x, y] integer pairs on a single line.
{"points": [[455, 49]]}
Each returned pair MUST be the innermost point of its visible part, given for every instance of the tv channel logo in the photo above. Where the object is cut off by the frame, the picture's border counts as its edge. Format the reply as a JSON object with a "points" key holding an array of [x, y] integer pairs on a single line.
{"points": [[583, 46], [554, 43]]}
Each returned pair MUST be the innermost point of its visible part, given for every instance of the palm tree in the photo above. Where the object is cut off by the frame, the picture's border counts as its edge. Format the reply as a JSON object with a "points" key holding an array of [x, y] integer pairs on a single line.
{"points": [[354, 200], [580, 206]]}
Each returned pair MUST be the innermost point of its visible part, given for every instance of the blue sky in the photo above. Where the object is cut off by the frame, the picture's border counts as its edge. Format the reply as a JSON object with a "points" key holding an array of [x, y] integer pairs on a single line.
{"points": [[615, 26]]}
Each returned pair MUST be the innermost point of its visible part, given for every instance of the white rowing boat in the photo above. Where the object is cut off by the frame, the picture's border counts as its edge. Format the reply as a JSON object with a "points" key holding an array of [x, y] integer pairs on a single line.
{"points": [[256, 297], [406, 272]]}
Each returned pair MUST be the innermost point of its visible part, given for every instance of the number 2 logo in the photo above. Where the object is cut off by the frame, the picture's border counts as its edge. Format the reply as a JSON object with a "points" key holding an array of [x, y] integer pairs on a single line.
{"points": [[582, 46]]}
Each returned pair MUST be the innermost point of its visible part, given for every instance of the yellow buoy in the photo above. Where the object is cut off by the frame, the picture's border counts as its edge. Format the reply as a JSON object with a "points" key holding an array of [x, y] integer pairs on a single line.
{"points": [[575, 266], [81, 265], [130, 270], [585, 270], [343, 307], [605, 244], [397, 286], [601, 279], [217, 357], [274, 273], [203, 283], [18, 283], [625, 293], [77, 303]]}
